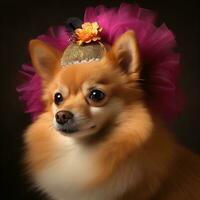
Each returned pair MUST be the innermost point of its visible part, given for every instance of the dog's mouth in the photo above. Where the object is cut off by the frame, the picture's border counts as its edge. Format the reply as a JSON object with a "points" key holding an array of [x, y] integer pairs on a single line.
{"points": [[68, 130], [69, 127], [72, 128]]}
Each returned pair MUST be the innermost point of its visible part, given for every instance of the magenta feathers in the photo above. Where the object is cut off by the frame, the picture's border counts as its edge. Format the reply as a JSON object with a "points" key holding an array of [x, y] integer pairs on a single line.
{"points": [[161, 64]]}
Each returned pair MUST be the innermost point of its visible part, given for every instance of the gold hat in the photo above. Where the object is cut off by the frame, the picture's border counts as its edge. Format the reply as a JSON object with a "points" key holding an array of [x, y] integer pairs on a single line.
{"points": [[86, 46]]}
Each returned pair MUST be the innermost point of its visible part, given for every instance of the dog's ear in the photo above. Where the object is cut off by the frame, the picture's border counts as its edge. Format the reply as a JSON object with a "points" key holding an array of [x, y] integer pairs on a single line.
{"points": [[44, 59], [126, 53]]}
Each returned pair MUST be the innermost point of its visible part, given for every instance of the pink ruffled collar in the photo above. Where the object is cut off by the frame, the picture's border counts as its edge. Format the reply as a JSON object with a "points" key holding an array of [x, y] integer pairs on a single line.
{"points": [[157, 45]]}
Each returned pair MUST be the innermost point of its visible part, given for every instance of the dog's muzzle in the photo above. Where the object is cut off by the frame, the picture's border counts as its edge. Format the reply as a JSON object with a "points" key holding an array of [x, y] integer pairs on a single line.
{"points": [[66, 122]]}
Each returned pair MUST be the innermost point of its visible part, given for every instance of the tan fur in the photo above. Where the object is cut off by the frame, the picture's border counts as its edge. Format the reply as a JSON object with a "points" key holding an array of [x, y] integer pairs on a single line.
{"points": [[130, 156]]}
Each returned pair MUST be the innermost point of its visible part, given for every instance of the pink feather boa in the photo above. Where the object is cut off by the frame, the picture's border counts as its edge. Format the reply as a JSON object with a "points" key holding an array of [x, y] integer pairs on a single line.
{"points": [[157, 45]]}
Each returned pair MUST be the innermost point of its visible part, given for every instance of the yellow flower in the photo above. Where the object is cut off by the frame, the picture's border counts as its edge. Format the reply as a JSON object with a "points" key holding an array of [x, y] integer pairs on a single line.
{"points": [[88, 33]]}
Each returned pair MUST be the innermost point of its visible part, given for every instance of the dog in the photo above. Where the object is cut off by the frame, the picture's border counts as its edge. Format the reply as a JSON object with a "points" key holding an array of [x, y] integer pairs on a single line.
{"points": [[97, 138]]}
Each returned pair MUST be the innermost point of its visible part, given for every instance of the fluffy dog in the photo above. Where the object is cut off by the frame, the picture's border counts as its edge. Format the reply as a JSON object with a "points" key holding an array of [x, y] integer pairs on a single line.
{"points": [[98, 139]]}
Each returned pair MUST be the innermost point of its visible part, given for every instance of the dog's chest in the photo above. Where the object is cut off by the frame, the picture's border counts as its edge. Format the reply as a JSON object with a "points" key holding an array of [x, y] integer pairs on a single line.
{"points": [[67, 176], [74, 168]]}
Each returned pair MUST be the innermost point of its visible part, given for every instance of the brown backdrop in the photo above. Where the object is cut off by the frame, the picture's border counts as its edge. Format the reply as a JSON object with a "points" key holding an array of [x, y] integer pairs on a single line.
{"points": [[21, 21]]}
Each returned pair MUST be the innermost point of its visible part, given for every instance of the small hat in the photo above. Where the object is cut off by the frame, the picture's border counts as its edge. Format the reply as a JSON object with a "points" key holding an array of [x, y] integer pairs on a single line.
{"points": [[86, 43]]}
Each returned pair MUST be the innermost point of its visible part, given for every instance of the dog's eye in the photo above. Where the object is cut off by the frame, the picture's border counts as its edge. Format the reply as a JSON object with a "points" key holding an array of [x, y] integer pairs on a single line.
{"points": [[96, 95], [58, 98]]}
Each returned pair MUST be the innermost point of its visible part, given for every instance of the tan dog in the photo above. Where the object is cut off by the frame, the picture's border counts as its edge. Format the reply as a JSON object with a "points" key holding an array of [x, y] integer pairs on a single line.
{"points": [[97, 139]]}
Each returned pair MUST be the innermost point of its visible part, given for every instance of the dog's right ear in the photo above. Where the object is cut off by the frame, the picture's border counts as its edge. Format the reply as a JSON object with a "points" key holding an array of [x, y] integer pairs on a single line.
{"points": [[44, 58], [125, 52]]}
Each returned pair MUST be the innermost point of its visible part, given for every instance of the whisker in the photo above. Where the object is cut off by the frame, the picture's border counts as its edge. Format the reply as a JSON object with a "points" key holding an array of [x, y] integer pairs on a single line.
{"points": [[142, 80]]}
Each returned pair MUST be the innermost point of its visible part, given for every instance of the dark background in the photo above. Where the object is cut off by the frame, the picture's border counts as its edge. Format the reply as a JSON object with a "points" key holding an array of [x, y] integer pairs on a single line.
{"points": [[21, 21]]}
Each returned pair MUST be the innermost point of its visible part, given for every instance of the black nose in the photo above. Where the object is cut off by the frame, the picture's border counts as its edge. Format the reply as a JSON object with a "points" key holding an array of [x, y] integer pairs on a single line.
{"points": [[63, 116]]}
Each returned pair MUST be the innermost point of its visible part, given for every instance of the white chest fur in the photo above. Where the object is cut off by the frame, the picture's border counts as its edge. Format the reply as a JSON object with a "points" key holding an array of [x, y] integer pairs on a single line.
{"points": [[65, 178], [66, 175]]}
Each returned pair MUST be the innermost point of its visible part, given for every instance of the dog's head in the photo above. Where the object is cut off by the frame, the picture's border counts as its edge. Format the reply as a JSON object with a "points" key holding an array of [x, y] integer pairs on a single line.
{"points": [[84, 98]]}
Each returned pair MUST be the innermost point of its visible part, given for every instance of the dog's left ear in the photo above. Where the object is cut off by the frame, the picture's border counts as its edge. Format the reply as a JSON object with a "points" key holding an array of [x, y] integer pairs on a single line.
{"points": [[126, 53], [44, 58]]}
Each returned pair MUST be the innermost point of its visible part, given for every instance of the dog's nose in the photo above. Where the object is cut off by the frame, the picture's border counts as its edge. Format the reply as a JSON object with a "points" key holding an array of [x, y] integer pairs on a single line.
{"points": [[63, 116]]}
